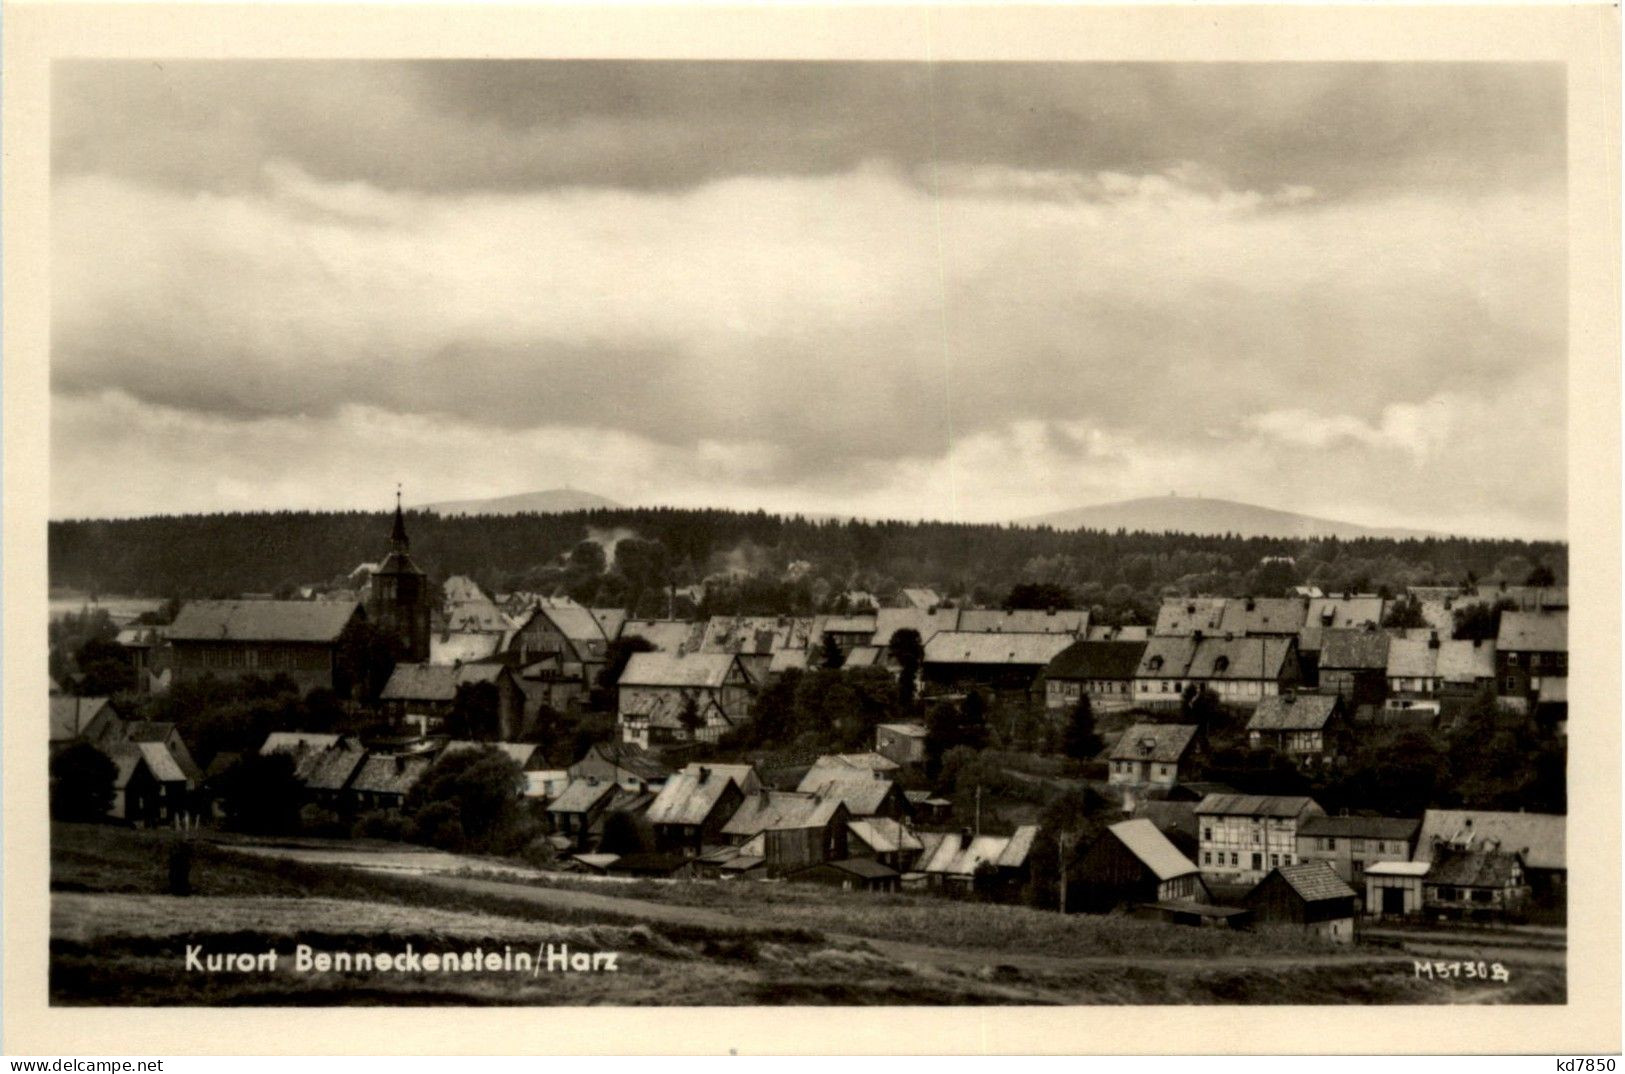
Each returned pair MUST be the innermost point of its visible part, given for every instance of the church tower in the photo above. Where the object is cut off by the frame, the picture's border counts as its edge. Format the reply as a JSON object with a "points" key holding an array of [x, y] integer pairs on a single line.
{"points": [[399, 603]]}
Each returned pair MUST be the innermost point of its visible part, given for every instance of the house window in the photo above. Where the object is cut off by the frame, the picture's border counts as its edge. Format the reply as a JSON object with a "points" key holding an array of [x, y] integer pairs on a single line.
{"points": [[1207, 835], [1447, 894], [1534, 660], [1235, 858], [1512, 660], [1512, 684], [1207, 857], [1331, 843], [1358, 844], [1483, 895]]}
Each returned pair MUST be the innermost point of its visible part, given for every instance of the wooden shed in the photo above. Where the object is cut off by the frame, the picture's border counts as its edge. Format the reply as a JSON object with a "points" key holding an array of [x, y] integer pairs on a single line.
{"points": [[1308, 895]]}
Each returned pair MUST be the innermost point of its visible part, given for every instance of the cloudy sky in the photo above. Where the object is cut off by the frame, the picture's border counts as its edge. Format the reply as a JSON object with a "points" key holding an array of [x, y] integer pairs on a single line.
{"points": [[977, 291]]}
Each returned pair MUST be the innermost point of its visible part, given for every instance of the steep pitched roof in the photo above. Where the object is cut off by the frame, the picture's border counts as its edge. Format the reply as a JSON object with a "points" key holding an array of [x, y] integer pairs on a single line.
{"points": [[1254, 805], [860, 656], [523, 754], [955, 856], [1315, 881], [1264, 615], [1474, 868], [1023, 621], [306, 621], [670, 669], [1342, 613], [1466, 661], [1155, 742], [689, 796], [888, 621], [1355, 650], [165, 768], [389, 773], [1084, 660], [862, 797], [610, 621], [1015, 650], [884, 835], [633, 758], [1413, 658], [919, 597], [1539, 837], [1533, 632], [863, 764], [755, 633], [1152, 848], [577, 623], [1181, 616], [331, 769], [582, 796], [769, 810], [436, 682], [72, 716], [1166, 657], [1297, 712], [1117, 633], [1243, 659]]}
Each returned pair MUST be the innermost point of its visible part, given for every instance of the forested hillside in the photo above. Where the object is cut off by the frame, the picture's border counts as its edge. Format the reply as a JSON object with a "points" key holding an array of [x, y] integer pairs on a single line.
{"points": [[776, 564]]}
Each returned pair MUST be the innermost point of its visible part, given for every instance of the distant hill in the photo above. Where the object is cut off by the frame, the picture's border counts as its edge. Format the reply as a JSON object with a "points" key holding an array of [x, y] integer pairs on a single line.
{"points": [[551, 501], [1200, 515]]}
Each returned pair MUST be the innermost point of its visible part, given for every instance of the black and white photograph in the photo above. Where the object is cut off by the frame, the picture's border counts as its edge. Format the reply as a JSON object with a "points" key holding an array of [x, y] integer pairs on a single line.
{"points": [[740, 533]]}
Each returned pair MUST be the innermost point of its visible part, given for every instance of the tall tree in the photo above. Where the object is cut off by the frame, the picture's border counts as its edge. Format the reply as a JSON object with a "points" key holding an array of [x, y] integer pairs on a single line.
{"points": [[908, 651], [1081, 741], [476, 713], [832, 657]]}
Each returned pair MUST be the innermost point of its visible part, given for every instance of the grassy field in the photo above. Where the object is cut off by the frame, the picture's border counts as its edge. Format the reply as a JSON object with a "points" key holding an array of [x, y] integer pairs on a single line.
{"points": [[116, 938]]}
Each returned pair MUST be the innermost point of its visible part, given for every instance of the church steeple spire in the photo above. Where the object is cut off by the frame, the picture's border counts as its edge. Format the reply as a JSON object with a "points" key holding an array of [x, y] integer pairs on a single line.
{"points": [[397, 537]]}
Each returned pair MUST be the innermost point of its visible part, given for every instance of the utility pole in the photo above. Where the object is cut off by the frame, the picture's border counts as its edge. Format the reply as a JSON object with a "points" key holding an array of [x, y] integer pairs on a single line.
{"points": [[978, 829], [1060, 854]]}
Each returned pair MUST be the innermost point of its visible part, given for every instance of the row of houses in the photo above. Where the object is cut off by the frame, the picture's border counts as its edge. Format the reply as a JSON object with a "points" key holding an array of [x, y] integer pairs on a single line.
{"points": [[155, 777]]}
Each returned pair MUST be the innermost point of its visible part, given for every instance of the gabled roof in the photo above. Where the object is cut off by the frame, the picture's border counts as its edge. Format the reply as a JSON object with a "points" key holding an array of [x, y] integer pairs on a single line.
{"points": [[884, 835], [1466, 661], [1539, 837], [1413, 658], [784, 660], [436, 682], [666, 635], [1013, 650], [141, 637], [910, 730], [1157, 742], [1117, 633], [303, 621], [1354, 650], [582, 796], [1023, 621], [859, 656], [1533, 632], [1294, 712], [1315, 881], [1402, 828], [1152, 848], [633, 758], [889, 621], [576, 623], [1084, 660], [1180, 616], [162, 763], [709, 670], [665, 710], [610, 621], [72, 716], [389, 773], [919, 597], [1254, 805], [954, 856], [1474, 868], [1397, 868], [1245, 659], [768, 810], [1166, 658], [689, 796], [856, 623], [764, 634], [862, 797], [1342, 613], [331, 769], [1264, 615]]}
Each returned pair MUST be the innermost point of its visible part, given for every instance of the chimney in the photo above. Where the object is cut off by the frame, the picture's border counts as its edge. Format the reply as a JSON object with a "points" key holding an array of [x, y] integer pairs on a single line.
{"points": [[705, 774], [964, 837], [1251, 604], [1050, 610], [1433, 639]]}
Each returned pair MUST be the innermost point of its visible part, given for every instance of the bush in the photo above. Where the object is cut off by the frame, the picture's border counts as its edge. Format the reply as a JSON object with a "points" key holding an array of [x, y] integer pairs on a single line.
{"points": [[438, 825], [82, 783], [388, 824], [319, 820], [539, 852]]}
